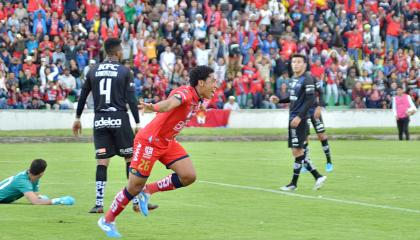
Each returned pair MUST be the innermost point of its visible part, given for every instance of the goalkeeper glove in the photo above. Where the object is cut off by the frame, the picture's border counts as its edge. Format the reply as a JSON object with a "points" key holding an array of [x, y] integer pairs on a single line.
{"points": [[67, 200]]}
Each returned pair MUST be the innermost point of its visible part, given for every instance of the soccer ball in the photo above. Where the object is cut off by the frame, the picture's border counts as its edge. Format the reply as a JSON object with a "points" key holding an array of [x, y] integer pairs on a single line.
{"points": [[411, 111]]}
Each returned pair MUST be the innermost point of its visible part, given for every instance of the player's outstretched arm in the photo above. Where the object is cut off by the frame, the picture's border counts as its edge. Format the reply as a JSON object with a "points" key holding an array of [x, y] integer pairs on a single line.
{"points": [[36, 200], [163, 106], [274, 99]]}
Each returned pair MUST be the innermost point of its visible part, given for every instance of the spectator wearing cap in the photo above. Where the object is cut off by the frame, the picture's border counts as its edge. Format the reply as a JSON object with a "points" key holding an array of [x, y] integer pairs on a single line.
{"points": [[199, 27], [28, 65]]}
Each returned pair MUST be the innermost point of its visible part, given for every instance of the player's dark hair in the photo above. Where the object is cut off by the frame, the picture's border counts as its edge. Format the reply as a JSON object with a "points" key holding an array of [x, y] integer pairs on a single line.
{"points": [[112, 46], [298, 55], [38, 166], [199, 73]]}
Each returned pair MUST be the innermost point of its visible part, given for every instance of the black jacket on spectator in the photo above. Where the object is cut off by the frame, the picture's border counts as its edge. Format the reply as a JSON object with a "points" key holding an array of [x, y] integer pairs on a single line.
{"points": [[70, 6], [282, 66], [70, 52], [276, 28], [236, 4], [26, 85]]}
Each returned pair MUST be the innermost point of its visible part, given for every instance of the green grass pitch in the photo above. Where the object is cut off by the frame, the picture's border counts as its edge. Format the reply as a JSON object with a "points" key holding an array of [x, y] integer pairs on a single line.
{"points": [[373, 193]]}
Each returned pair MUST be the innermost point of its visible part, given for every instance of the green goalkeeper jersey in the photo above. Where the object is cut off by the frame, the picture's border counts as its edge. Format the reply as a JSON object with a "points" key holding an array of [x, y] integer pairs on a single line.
{"points": [[13, 188]]}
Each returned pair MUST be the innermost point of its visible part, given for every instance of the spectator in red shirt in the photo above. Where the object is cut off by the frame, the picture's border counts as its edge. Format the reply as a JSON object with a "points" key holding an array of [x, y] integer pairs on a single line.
{"points": [[57, 6], [257, 90], [52, 96], [393, 31], [93, 46], [288, 47], [34, 5], [241, 83], [28, 65], [354, 42], [46, 43], [318, 70]]}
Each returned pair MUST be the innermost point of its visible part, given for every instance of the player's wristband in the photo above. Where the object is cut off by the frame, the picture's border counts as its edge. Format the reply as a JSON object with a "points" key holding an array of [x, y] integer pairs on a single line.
{"points": [[155, 108]]}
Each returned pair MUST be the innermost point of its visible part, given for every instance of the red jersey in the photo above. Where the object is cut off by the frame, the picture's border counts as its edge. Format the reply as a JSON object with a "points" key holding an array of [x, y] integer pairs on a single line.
{"points": [[165, 126]]}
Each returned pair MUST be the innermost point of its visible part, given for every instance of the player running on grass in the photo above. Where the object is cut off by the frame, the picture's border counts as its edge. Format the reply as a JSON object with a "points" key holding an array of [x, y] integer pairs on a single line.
{"points": [[157, 142], [302, 89], [112, 87], [26, 184]]}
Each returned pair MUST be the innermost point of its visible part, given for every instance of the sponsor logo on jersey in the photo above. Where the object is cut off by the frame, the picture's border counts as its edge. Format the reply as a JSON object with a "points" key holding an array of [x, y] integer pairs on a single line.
{"points": [[126, 150], [179, 126], [148, 152], [108, 66], [136, 152], [109, 122]]}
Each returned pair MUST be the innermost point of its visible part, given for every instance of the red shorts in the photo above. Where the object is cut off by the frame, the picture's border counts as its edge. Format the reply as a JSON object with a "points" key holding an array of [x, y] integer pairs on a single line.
{"points": [[145, 154]]}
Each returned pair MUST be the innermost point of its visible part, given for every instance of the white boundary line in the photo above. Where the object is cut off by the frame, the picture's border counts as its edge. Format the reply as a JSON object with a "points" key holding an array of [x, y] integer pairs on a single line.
{"points": [[314, 197]]}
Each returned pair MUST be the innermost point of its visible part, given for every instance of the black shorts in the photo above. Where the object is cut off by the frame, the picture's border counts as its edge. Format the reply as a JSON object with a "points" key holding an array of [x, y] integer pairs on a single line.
{"points": [[112, 135], [318, 124], [297, 136]]}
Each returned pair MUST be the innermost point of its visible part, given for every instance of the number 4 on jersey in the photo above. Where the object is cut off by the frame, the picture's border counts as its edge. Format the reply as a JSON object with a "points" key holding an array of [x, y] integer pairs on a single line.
{"points": [[105, 89]]}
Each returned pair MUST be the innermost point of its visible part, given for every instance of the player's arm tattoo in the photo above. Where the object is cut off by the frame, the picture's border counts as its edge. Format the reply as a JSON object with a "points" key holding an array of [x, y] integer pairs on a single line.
{"points": [[169, 104]]}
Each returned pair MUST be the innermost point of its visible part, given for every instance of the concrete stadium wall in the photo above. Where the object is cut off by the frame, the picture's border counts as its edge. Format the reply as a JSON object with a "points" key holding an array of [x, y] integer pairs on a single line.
{"points": [[332, 118], [36, 119]]}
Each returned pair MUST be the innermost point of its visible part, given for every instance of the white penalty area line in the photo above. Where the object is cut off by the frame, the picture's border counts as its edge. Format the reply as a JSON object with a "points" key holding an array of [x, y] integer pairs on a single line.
{"points": [[314, 197]]}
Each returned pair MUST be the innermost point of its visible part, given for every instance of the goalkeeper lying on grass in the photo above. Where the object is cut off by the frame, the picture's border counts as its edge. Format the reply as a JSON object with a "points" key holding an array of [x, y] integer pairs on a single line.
{"points": [[26, 184]]}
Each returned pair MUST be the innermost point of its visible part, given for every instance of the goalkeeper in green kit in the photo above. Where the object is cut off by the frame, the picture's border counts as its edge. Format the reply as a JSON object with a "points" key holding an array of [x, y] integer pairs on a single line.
{"points": [[26, 184]]}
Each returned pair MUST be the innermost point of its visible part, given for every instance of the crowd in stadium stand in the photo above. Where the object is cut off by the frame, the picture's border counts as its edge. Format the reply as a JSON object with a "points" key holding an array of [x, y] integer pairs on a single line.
{"points": [[359, 50]]}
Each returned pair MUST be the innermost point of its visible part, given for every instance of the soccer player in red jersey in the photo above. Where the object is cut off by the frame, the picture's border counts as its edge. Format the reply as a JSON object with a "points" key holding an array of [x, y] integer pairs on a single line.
{"points": [[157, 142]]}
